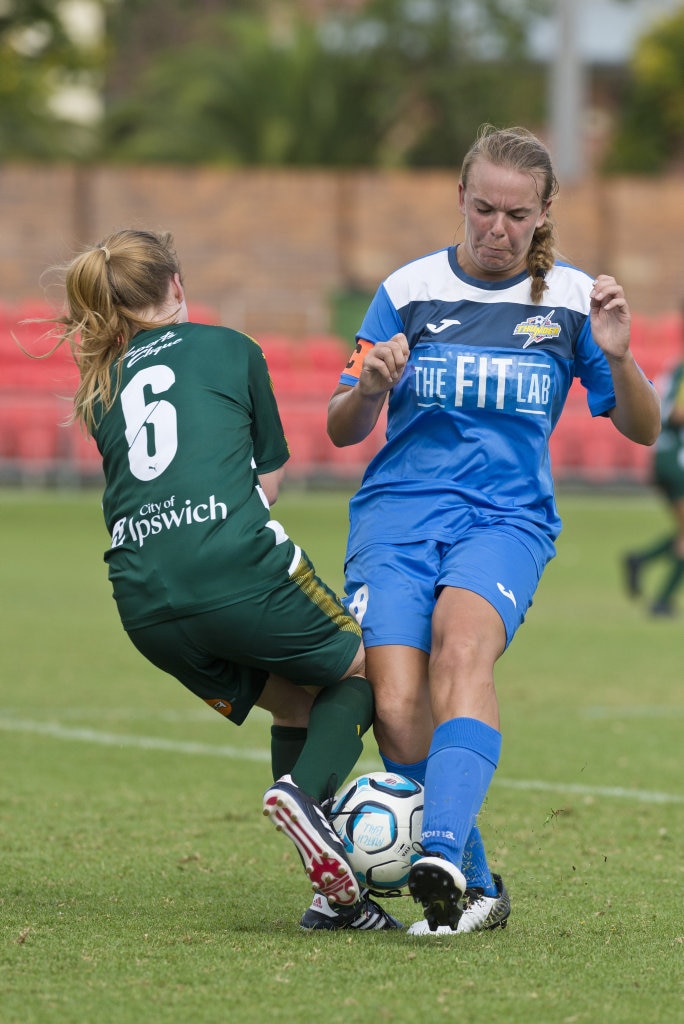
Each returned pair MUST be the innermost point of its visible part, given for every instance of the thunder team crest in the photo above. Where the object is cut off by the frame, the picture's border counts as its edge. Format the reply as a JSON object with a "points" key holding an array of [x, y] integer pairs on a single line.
{"points": [[538, 328]]}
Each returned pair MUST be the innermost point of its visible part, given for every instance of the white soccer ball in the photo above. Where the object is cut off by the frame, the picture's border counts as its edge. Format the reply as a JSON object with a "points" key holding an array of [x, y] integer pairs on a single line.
{"points": [[379, 817]]}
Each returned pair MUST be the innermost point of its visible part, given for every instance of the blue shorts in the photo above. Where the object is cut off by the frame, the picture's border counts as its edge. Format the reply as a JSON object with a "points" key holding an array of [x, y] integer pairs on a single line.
{"points": [[392, 588]]}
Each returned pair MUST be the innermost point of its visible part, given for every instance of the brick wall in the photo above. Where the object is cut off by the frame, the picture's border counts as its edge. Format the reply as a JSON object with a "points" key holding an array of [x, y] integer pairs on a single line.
{"points": [[267, 248]]}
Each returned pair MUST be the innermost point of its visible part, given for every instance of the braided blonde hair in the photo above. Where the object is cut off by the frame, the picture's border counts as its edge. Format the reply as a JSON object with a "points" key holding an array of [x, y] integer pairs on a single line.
{"points": [[109, 287], [518, 149]]}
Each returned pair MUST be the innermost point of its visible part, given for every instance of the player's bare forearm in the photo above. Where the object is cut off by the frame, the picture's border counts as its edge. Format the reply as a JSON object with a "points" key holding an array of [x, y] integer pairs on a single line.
{"points": [[637, 409], [354, 411], [352, 415]]}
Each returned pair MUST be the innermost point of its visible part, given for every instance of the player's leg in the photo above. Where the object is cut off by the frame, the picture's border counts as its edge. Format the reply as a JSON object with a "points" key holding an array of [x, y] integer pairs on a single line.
{"points": [[187, 651], [290, 707], [293, 650], [397, 664], [664, 601], [313, 641], [487, 583], [465, 747], [342, 704], [403, 718], [486, 901], [669, 479], [633, 562], [224, 656], [390, 592], [310, 638]]}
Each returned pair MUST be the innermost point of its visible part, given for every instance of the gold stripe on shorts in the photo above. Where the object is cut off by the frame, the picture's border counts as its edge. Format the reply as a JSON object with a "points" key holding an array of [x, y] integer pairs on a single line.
{"points": [[305, 578]]}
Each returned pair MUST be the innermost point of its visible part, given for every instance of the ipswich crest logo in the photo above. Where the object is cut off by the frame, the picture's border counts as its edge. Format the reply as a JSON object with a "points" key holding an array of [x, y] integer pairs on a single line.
{"points": [[538, 328]]}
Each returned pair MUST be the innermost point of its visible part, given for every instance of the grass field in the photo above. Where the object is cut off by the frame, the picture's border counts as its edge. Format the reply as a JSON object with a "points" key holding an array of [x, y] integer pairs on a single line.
{"points": [[141, 883]]}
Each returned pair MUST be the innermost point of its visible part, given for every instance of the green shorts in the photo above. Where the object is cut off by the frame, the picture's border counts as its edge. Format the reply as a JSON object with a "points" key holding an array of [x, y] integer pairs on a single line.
{"points": [[669, 472], [300, 630]]}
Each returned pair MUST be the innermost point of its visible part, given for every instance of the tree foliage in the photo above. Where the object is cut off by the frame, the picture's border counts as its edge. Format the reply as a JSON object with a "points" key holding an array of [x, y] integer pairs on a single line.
{"points": [[272, 82], [387, 83], [36, 56], [650, 131]]}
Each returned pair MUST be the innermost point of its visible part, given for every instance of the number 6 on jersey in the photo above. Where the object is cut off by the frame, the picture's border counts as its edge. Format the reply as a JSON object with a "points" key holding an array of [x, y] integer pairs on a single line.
{"points": [[151, 427]]}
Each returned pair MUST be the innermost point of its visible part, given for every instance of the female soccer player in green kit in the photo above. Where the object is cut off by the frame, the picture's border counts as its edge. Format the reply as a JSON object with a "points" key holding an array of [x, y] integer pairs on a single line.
{"points": [[209, 587]]}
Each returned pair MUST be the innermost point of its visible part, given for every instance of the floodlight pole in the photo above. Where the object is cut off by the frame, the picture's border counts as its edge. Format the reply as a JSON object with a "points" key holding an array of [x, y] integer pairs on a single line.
{"points": [[567, 94]]}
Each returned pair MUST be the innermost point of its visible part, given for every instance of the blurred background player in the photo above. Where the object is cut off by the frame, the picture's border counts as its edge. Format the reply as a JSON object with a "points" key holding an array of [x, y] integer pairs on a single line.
{"points": [[477, 346], [668, 476], [209, 587]]}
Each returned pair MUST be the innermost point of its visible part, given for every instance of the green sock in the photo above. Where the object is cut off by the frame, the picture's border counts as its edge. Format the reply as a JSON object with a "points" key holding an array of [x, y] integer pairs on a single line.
{"points": [[340, 716], [672, 582], [657, 550], [287, 743]]}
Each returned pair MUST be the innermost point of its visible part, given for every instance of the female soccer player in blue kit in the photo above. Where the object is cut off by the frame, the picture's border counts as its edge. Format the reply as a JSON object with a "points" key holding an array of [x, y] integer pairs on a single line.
{"points": [[477, 346]]}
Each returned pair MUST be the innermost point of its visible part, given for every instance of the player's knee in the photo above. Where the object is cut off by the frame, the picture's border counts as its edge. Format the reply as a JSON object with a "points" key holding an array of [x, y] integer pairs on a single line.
{"points": [[290, 705]]}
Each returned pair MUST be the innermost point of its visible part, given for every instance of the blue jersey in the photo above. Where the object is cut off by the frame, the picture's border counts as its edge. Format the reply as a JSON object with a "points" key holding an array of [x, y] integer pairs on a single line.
{"points": [[469, 422]]}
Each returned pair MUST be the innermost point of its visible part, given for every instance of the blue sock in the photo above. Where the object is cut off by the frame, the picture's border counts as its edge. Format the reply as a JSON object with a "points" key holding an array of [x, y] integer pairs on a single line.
{"points": [[463, 757], [475, 866], [414, 771]]}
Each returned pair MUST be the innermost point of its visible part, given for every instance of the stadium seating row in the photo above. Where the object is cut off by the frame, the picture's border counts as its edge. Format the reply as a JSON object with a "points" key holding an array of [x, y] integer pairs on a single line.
{"points": [[35, 395], [35, 402]]}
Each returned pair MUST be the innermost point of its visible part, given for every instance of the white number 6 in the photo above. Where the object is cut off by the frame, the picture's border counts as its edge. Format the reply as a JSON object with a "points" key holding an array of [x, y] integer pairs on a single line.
{"points": [[151, 427]]}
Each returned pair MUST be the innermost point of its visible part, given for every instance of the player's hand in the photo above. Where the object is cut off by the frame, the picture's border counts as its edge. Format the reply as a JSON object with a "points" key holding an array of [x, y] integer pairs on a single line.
{"points": [[610, 317], [384, 365]]}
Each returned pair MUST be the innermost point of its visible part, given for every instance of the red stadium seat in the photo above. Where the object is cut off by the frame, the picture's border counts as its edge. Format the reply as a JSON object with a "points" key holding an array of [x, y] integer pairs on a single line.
{"points": [[8, 429], [280, 350], [38, 437], [565, 448], [657, 343], [600, 451], [304, 426], [198, 313], [84, 456], [327, 353]]}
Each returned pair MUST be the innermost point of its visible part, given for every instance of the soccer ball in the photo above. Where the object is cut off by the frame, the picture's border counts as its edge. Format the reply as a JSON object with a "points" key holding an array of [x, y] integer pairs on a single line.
{"points": [[378, 817]]}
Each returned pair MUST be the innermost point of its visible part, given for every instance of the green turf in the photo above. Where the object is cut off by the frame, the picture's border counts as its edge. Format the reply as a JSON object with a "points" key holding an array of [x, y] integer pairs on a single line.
{"points": [[140, 882]]}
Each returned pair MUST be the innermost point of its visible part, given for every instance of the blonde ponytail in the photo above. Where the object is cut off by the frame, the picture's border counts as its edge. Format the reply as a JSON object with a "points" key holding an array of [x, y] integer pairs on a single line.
{"points": [[108, 289]]}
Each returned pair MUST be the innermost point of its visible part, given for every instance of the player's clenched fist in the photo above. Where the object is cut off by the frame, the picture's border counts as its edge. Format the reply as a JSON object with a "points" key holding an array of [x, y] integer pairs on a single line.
{"points": [[384, 364]]}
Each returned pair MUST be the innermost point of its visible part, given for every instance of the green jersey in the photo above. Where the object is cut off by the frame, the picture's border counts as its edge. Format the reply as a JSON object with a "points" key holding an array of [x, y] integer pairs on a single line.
{"points": [[194, 422]]}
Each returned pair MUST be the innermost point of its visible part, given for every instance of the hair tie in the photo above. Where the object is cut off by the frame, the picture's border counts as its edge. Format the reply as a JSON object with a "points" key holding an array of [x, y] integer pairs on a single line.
{"points": [[106, 252], [540, 272]]}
